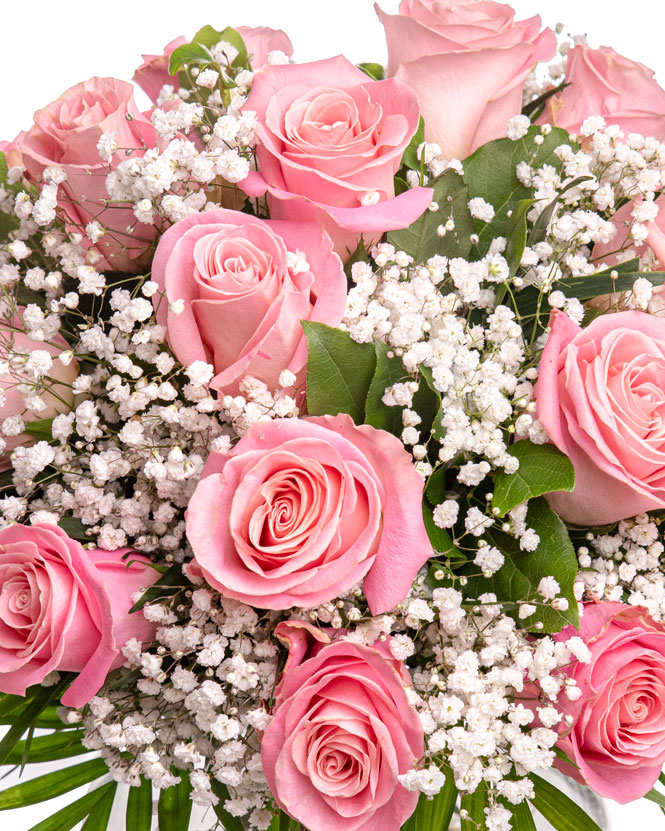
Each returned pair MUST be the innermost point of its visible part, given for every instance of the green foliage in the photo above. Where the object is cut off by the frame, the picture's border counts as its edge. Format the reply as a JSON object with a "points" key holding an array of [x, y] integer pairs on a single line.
{"points": [[339, 372], [434, 814], [58, 745], [228, 821], [560, 811], [98, 819], [474, 804], [27, 716], [171, 582], [490, 173], [372, 70], [543, 469], [174, 808], [421, 240], [52, 784], [40, 429], [67, 817], [389, 371], [74, 528], [522, 571], [435, 493], [138, 816], [198, 51], [522, 817], [410, 158]]}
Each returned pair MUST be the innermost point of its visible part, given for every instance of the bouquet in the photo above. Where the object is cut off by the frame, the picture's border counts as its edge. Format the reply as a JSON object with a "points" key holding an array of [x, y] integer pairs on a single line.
{"points": [[333, 433]]}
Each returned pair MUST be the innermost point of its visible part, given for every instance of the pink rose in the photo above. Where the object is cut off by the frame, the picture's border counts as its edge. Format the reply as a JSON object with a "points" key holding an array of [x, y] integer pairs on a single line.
{"points": [[153, 73], [302, 510], [617, 735], [330, 141], [342, 732], [65, 135], [55, 391], [64, 608], [467, 62], [601, 399], [245, 292], [602, 82], [623, 220]]}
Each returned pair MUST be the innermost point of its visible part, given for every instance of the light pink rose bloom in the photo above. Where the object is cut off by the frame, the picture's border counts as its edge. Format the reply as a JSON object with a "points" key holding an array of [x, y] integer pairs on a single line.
{"points": [[342, 732], [467, 62], [56, 393], [602, 82], [244, 297], [153, 73], [65, 135], [622, 219], [601, 400], [617, 738], [12, 155], [330, 141], [302, 510], [64, 608]]}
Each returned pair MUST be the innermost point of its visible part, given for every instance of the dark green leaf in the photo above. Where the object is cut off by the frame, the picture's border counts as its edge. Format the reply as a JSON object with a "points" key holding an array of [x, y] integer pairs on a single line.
{"points": [[229, 822], [516, 235], [490, 173], [360, 255], [389, 371], [421, 240], [543, 469], [11, 703], [52, 784], [427, 403], [175, 807], [474, 804], [40, 430], [535, 107], [440, 539], [522, 571], [186, 54], [558, 809], [59, 745], [74, 528], [139, 807], [71, 814], [8, 223], [373, 70], [434, 814], [23, 719], [98, 819], [522, 817], [170, 580], [539, 230], [410, 158], [339, 372]]}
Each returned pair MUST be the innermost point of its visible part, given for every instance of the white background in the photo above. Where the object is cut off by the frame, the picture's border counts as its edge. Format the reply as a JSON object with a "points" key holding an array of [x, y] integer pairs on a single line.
{"points": [[48, 46]]}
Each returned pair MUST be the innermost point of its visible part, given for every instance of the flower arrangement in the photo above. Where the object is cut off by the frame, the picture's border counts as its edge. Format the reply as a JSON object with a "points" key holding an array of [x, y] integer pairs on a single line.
{"points": [[333, 433]]}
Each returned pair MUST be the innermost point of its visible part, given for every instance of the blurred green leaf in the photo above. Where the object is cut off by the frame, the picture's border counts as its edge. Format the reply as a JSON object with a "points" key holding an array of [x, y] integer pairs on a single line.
{"points": [[139, 807], [175, 807]]}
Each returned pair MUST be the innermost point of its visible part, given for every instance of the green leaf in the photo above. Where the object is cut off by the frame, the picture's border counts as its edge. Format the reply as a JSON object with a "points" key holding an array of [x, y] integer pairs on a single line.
{"points": [[4, 168], [170, 580], [427, 403], [373, 70], [98, 819], [522, 817], [558, 809], [174, 808], [421, 240], [209, 37], [475, 804], [74, 528], [139, 807], [522, 571], [52, 784], [434, 814], [516, 235], [186, 54], [491, 174], [657, 797], [40, 430], [59, 745], [339, 372], [11, 703], [360, 255], [389, 371], [410, 158], [67, 817], [25, 718], [229, 822], [539, 230], [535, 107], [543, 469]]}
